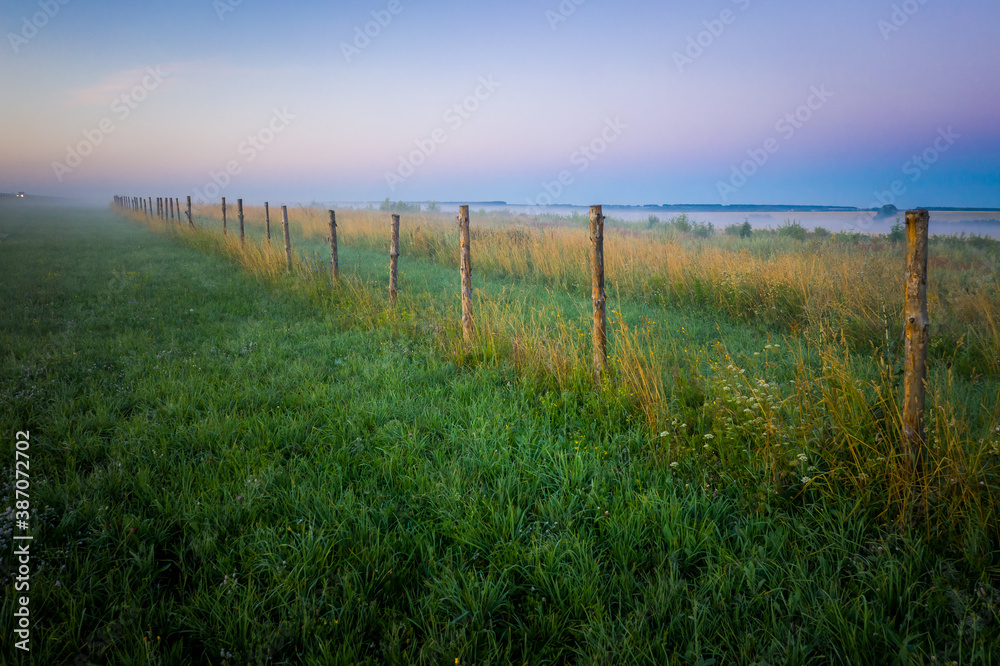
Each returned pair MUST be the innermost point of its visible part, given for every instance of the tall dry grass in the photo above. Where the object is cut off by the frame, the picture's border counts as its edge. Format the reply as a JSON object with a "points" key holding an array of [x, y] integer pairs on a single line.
{"points": [[854, 288]]}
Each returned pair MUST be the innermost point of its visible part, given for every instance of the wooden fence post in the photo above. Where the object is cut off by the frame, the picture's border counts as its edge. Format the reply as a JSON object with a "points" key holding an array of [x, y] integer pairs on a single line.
{"points": [[394, 261], [334, 264], [916, 334], [151, 206], [288, 240], [223, 216], [190, 219], [597, 291], [466, 269], [239, 207], [171, 199], [267, 222]]}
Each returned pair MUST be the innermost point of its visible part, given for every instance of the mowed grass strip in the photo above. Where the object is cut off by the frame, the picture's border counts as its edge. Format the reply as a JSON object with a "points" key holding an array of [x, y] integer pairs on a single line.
{"points": [[223, 472]]}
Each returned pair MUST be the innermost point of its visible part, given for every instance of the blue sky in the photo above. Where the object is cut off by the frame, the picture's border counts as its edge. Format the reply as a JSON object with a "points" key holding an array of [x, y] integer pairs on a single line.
{"points": [[727, 101]]}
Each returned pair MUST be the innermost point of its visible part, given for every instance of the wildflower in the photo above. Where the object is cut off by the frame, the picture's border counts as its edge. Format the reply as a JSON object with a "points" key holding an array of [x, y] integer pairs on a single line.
{"points": [[674, 464], [709, 436], [806, 479], [663, 434]]}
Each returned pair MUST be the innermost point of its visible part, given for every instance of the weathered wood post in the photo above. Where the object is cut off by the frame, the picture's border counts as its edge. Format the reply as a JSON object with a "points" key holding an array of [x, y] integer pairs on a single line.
{"points": [[190, 219], [267, 222], [177, 199], [239, 207], [597, 291], [466, 269], [151, 206], [916, 334], [288, 240], [334, 264], [172, 208], [223, 216], [393, 261]]}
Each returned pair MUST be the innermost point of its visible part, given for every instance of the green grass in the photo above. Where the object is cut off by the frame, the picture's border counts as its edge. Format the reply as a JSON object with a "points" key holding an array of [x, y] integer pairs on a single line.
{"points": [[227, 470]]}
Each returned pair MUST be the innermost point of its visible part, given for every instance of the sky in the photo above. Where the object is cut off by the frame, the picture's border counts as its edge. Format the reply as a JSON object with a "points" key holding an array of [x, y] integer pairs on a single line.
{"points": [[848, 103]]}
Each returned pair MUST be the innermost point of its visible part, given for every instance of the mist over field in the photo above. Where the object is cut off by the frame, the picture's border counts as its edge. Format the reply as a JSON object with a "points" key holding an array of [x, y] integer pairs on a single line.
{"points": [[533, 332]]}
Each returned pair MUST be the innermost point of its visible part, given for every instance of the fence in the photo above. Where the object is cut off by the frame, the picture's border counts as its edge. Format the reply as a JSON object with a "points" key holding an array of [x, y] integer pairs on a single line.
{"points": [[916, 320]]}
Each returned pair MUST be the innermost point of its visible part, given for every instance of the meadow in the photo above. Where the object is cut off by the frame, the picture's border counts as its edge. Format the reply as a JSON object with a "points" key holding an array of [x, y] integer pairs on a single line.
{"points": [[236, 463]]}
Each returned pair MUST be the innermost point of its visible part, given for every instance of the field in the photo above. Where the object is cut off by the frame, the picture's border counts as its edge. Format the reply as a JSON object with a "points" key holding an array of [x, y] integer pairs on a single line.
{"points": [[236, 463]]}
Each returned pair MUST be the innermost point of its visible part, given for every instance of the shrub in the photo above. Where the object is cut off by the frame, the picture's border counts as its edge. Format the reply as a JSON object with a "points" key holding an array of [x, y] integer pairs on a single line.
{"points": [[682, 223], [653, 222], [821, 232], [792, 229], [703, 229], [896, 233]]}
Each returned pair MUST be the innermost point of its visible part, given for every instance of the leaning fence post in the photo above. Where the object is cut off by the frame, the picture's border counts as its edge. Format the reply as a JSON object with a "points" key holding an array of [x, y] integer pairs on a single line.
{"points": [[190, 219], [466, 270], [223, 216], [288, 240], [239, 206], [334, 264], [597, 291], [916, 333], [393, 260], [267, 222], [172, 208]]}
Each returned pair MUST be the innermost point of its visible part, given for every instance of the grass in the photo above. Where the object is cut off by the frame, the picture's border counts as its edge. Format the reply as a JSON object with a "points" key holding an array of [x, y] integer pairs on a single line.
{"points": [[232, 464]]}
